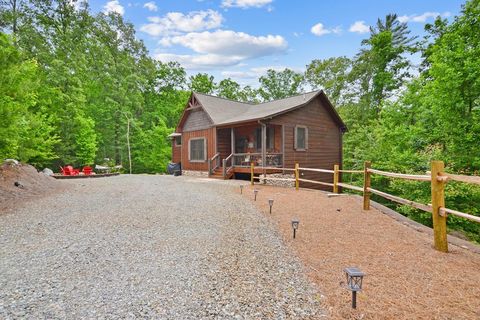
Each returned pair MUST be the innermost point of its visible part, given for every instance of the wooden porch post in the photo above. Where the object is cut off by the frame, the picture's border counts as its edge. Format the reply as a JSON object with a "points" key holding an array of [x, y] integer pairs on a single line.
{"points": [[264, 145], [232, 137]]}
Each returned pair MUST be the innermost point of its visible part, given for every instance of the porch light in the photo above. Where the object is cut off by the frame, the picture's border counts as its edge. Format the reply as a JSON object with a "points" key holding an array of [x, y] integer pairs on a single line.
{"points": [[241, 189], [295, 224], [255, 191], [354, 282], [270, 203]]}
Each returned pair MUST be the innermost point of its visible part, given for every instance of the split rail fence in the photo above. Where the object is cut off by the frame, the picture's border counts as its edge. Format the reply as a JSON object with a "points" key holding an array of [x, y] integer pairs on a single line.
{"points": [[437, 178]]}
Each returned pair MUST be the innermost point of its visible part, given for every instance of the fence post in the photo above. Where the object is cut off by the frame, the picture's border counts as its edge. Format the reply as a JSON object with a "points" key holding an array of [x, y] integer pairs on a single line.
{"points": [[366, 185], [297, 176], [251, 172], [438, 201], [335, 178]]}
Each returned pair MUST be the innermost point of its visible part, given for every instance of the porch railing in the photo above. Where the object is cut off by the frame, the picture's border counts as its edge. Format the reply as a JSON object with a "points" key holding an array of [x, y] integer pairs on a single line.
{"points": [[213, 163], [244, 159], [227, 164]]}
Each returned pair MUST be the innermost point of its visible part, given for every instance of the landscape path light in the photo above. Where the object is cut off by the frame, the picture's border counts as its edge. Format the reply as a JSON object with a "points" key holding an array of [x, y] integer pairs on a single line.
{"points": [[255, 191], [241, 189], [354, 282], [270, 203], [295, 224]]}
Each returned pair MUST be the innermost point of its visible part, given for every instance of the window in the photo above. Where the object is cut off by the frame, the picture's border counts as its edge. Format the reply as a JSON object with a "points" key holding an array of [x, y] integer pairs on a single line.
{"points": [[301, 138], [270, 138], [178, 141], [197, 150]]}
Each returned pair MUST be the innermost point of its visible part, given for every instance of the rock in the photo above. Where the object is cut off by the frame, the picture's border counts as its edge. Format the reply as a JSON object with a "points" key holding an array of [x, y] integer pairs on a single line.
{"points": [[18, 184], [47, 171], [11, 162]]}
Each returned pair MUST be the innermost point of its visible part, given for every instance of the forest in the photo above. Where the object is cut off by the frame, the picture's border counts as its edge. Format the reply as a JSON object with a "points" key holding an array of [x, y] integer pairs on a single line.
{"points": [[72, 83]]}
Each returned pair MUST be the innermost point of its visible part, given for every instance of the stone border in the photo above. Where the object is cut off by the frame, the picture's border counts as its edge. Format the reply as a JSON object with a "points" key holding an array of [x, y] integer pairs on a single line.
{"points": [[193, 173]]}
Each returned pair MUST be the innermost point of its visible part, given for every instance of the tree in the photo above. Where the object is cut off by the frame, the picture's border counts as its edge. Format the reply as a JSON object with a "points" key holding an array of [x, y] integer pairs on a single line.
{"points": [[229, 89], [280, 84], [381, 68], [202, 83], [331, 76], [25, 133], [86, 140]]}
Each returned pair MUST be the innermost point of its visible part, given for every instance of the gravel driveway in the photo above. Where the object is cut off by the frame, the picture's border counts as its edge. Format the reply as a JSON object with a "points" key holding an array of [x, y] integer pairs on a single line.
{"points": [[148, 247]]}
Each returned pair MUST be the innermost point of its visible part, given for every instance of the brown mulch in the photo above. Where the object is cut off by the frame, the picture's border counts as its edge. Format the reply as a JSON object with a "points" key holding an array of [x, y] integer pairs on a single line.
{"points": [[32, 184], [405, 277]]}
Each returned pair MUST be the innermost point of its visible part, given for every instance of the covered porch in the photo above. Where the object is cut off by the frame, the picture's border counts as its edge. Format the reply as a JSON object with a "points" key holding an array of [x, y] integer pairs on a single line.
{"points": [[239, 146]]}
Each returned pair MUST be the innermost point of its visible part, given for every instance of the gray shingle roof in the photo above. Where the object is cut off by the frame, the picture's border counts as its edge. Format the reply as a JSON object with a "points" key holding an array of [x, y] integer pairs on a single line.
{"points": [[223, 111]]}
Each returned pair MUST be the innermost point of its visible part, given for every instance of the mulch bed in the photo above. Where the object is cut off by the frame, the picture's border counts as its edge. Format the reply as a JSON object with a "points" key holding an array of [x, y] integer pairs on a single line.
{"points": [[405, 277]]}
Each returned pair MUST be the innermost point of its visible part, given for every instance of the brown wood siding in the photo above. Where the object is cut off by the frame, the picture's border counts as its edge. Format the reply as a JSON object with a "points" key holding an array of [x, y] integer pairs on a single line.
{"points": [[209, 135], [176, 153], [224, 144], [197, 119], [324, 141]]}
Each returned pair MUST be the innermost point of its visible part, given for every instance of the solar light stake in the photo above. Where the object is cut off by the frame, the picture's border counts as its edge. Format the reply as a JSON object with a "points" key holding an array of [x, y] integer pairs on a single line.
{"points": [[354, 282], [255, 193], [241, 189], [270, 203], [295, 224]]}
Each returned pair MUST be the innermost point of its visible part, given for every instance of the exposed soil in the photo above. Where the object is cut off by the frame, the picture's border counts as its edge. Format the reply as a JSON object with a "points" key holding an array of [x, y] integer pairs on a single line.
{"points": [[405, 277], [30, 185]]}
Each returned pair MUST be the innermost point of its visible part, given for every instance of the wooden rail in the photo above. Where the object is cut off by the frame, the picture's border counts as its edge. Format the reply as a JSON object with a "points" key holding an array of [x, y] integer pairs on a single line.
{"points": [[445, 211], [316, 182], [437, 178], [461, 178], [401, 175], [348, 186], [411, 203]]}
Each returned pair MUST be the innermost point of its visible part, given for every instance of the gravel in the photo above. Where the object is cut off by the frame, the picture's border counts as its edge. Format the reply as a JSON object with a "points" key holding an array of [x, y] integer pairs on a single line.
{"points": [[149, 247]]}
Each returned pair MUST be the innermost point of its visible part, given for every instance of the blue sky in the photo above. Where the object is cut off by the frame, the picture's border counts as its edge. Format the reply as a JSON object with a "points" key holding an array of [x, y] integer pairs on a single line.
{"points": [[241, 39]]}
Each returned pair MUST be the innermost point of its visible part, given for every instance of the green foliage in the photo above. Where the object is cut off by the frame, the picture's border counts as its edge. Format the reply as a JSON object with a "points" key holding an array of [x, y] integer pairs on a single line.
{"points": [[330, 75], [202, 83], [280, 84], [229, 89], [85, 139], [159, 149], [25, 133]]}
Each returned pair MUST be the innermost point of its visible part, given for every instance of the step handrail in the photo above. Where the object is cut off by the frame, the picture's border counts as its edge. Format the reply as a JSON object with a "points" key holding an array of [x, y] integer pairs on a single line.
{"points": [[225, 165]]}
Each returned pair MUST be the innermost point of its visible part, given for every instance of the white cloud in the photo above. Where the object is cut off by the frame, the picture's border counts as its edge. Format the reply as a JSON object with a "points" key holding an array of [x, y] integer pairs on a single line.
{"points": [[204, 61], [175, 22], [114, 6], [319, 30], [255, 73], [151, 6], [244, 4], [221, 48], [227, 42], [422, 18], [359, 27]]}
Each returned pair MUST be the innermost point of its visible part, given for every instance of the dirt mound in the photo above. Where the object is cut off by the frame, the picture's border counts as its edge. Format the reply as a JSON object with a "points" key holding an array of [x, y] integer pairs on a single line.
{"points": [[20, 182]]}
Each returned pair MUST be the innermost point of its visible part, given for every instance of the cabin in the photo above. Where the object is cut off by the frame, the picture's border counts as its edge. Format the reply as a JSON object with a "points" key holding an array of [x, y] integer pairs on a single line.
{"points": [[220, 138]]}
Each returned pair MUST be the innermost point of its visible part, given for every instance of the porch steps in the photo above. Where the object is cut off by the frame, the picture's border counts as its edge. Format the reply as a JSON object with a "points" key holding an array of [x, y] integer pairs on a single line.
{"points": [[218, 174]]}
